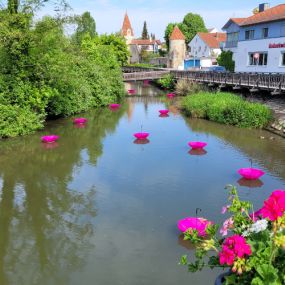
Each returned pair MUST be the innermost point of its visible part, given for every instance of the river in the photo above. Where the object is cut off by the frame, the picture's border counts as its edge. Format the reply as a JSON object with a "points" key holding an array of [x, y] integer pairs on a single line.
{"points": [[98, 208]]}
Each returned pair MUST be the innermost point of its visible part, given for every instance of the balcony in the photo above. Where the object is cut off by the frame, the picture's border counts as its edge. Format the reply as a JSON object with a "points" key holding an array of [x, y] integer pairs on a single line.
{"points": [[231, 44]]}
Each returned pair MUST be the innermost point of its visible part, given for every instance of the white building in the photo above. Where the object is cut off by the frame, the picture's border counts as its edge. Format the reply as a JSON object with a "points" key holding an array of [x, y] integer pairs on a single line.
{"points": [[204, 49], [259, 41]]}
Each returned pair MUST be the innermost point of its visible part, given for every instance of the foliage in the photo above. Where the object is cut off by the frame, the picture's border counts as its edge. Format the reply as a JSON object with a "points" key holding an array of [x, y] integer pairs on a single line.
{"points": [[145, 34], [186, 87], [255, 252], [226, 59], [145, 65], [117, 43], [227, 108], [86, 26], [168, 32], [43, 73], [18, 121], [167, 82], [190, 26]]}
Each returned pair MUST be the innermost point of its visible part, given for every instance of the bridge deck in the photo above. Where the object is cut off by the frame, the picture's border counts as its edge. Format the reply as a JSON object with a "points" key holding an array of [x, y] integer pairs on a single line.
{"points": [[271, 82]]}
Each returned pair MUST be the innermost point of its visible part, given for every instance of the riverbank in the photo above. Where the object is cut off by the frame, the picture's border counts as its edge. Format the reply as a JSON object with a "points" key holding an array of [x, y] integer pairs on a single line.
{"points": [[277, 105]]}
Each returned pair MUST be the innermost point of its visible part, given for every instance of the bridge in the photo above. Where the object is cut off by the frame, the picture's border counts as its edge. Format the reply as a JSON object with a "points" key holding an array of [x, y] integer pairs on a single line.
{"points": [[274, 83]]}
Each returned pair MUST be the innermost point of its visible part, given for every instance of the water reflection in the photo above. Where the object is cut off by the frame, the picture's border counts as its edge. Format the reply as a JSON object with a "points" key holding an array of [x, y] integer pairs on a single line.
{"points": [[250, 183], [140, 141], [198, 151], [46, 226]]}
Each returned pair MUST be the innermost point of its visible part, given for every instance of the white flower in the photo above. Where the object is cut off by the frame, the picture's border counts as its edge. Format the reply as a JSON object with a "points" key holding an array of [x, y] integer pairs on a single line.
{"points": [[259, 226]]}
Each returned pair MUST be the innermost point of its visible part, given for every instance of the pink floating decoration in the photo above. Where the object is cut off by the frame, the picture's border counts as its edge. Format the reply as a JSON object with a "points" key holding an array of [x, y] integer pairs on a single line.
{"points": [[131, 91], [114, 106], [193, 223], [170, 95], [80, 121], [141, 136], [163, 112], [197, 145], [49, 139], [146, 82], [251, 173]]}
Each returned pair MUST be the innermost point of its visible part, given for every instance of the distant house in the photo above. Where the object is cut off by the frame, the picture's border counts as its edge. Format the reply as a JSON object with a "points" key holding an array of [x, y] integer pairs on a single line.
{"points": [[137, 46], [204, 49], [258, 41]]}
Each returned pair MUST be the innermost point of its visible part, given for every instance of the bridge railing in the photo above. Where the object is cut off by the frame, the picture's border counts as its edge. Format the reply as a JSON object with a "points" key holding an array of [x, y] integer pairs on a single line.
{"points": [[267, 81]]}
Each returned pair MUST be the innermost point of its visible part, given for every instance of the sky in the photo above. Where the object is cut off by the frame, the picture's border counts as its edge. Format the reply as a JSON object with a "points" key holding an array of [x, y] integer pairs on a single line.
{"points": [[109, 14]]}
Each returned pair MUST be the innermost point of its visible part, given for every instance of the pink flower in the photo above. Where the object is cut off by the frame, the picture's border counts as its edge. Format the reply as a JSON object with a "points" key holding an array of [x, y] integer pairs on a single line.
{"points": [[228, 224], [225, 209], [227, 256], [274, 206], [254, 216], [239, 246], [193, 223]]}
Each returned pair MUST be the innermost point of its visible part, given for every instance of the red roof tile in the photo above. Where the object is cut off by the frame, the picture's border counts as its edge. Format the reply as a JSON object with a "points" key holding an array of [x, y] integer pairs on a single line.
{"points": [[272, 14], [127, 26], [238, 21], [177, 34], [143, 42], [213, 40]]}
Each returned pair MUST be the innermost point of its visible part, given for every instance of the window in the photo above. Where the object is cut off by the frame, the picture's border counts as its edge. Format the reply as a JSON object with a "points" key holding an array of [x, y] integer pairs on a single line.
{"points": [[249, 34], [199, 49], [283, 59], [258, 58], [264, 33]]}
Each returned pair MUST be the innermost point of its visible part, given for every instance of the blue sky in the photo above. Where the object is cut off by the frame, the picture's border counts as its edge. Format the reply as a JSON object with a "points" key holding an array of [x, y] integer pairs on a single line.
{"points": [[158, 13]]}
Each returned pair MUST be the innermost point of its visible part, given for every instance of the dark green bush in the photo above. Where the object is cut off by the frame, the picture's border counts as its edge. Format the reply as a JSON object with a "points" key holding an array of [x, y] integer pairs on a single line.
{"points": [[17, 121], [228, 109]]}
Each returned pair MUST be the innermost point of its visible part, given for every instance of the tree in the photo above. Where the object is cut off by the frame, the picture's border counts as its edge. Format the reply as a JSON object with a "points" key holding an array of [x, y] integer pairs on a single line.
{"points": [[118, 44], [86, 26], [226, 59], [191, 25], [168, 32], [145, 34]]}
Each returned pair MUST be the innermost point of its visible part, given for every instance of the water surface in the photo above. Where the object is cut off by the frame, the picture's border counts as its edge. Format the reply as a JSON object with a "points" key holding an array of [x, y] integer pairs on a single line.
{"points": [[97, 208]]}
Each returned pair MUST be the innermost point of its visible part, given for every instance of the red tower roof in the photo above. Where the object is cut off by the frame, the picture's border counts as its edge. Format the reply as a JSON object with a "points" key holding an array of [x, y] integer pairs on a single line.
{"points": [[127, 26], [177, 34]]}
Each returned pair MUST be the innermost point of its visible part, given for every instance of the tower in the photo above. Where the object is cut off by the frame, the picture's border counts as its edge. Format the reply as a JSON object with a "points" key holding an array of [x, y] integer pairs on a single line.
{"points": [[177, 49], [127, 30]]}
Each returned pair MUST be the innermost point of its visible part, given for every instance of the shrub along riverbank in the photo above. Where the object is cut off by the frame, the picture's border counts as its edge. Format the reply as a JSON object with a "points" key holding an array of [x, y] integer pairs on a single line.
{"points": [[45, 74], [226, 108]]}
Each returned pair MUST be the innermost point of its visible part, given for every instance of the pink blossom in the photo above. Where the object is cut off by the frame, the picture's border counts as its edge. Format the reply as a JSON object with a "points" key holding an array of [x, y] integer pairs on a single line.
{"points": [[228, 224], [274, 206], [238, 244], [225, 209], [227, 256], [193, 223], [254, 216]]}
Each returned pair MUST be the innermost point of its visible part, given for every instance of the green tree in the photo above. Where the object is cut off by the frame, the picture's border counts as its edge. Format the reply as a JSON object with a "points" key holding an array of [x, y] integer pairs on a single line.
{"points": [[226, 59], [118, 44], [168, 32], [85, 26], [191, 25], [145, 34]]}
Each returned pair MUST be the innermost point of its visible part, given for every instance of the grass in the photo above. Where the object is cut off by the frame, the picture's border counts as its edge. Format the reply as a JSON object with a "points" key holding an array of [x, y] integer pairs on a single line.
{"points": [[227, 108]]}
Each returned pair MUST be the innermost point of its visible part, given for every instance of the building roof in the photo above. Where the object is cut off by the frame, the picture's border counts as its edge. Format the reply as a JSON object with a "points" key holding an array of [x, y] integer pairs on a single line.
{"points": [[127, 26], [177, 34], [237, 21], [269, 15], [213, 40], [144, 42]]}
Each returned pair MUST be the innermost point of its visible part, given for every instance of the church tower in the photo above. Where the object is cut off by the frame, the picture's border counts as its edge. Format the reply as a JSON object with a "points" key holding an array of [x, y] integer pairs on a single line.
{"points": [[127, 30]]}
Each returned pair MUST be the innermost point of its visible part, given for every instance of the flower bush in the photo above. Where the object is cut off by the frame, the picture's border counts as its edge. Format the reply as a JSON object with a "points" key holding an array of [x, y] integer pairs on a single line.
{"points": [[250, 244]]}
